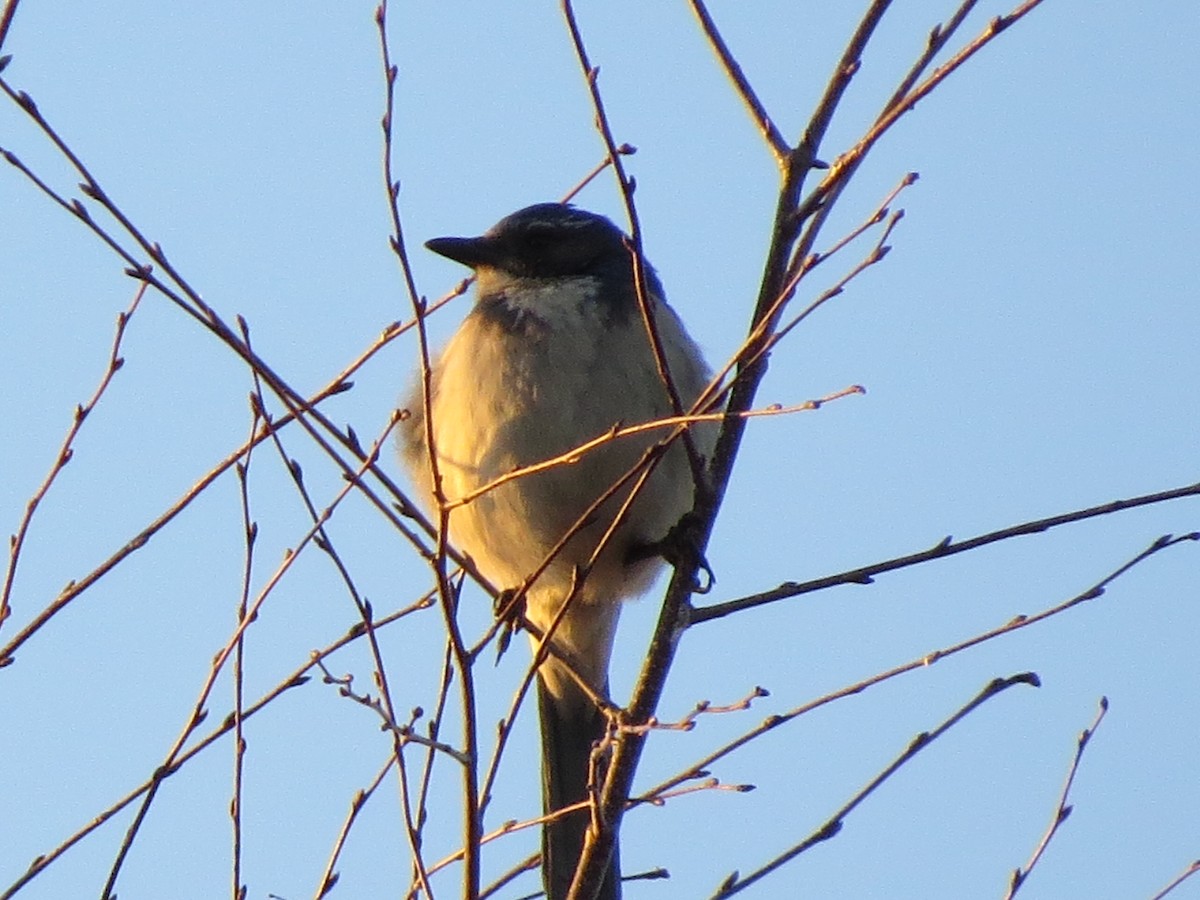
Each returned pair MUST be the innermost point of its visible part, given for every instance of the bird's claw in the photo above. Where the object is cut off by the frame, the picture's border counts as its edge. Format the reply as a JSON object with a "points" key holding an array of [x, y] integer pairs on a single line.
{"points": [[680, 547], [509, 608]]}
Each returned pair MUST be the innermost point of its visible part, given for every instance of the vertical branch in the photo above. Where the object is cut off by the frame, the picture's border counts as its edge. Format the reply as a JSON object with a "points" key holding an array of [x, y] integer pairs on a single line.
{"points": [[435, 725], [627, 186], [774, 291], [250, 535], [448, 596], [420, 876], [362, 605], [199, 710]]}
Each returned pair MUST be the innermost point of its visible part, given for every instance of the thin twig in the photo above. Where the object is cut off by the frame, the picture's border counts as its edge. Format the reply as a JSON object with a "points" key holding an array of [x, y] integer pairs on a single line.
{"points": [[775, 141], [736, 883], [621, 150], [1176, 882], [1062, 810], [10, 9], [575, 454], [873, 257], [295, 679], [945, 547], [881, 212], [704, 707], [405, 732], [1015, 624], [435, 724], [199, 713], [938, 37], [330, 877], [626, 185], [447, 595], [65, 452], [249, 537]]}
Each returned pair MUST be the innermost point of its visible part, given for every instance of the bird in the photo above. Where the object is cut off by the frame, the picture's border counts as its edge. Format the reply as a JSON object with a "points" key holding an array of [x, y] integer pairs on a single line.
{"points": [[556, 352]]}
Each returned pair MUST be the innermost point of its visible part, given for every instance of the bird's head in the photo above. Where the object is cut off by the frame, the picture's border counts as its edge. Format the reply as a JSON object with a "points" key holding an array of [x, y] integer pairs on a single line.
{"points": [[542, 242]]}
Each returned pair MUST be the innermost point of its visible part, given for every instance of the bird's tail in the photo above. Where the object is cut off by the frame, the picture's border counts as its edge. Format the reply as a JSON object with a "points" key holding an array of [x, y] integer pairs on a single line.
{"points": [[571, 724]]}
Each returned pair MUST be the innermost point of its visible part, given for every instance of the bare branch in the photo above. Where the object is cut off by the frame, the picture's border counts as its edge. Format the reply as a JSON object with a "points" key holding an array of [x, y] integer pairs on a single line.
{"points": [[249, 538], [704, 707], [405, 732], [199, 712], [294, 679], [775, 140], [572, 456], [329, 877], [735, 883], [939, 36], [1015, 624], [6, 17], [65, 452], [447, 596], [1062, 810], [945, 547], [1183, 876]]}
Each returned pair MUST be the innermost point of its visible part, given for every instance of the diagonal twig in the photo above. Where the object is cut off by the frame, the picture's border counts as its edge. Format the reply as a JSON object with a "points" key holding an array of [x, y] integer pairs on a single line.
{"points": [[298, 677], [736, 883], [199, 713], [945, 547], [6, 18], [65, 452], [1178, 880], [1017, 623], [676, 604], [1062, 810], [776, 142]]}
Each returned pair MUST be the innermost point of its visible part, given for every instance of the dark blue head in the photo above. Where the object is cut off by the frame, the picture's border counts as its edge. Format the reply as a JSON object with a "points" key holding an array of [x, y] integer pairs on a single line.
{"points": [[548, 241]]}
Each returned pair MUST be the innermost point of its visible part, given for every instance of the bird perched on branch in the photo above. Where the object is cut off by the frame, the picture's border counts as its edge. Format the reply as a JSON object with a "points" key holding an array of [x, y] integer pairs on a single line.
{"points": [[555, 353]]}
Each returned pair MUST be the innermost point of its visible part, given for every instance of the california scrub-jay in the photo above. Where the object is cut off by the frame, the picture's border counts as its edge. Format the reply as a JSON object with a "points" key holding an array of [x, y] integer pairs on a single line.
{"points": [[554, 353]]}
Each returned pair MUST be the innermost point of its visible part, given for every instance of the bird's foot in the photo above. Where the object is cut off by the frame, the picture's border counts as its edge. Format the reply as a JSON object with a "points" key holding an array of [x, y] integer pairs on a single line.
{"points": [[509, 609], [680, 547]]}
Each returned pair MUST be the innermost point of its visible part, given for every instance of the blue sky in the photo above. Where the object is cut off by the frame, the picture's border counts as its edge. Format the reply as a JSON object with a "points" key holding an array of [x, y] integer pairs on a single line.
{"points": [[1029, 347]]}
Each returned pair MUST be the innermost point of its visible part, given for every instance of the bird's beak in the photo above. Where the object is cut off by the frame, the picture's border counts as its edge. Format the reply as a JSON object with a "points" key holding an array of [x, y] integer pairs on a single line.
{"points": [[473, 252]]}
